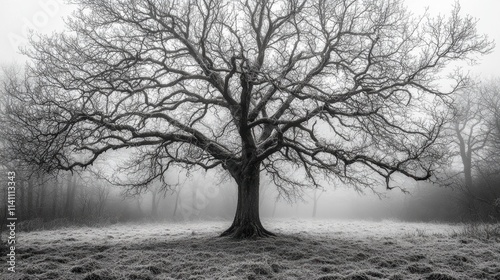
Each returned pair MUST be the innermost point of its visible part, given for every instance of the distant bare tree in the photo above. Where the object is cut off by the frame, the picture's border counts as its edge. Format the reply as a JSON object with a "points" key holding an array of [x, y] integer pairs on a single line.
{"points": [[471, 130], [55, 197], [102, 193], [15, 136], [157, 193], [340, 90], [85, 197], [475, 135], [177, 192], [315, 200], [71, 191], [490, 165], [490, 93]]}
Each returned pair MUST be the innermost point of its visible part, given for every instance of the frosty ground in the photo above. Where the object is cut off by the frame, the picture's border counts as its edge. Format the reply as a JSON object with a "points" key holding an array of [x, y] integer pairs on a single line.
{"points": [[319, 249]]}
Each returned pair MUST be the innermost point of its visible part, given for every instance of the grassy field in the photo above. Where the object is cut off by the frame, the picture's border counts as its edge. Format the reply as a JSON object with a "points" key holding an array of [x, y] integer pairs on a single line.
{"points": [[320, 249]]}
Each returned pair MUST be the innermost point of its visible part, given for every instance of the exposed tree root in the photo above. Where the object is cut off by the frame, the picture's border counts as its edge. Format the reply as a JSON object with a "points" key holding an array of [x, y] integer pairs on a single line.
{"points": [[250, 230]]}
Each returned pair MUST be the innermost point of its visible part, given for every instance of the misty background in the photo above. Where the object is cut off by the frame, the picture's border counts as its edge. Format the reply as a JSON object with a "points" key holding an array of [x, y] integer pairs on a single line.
{"points": [[85, 198], [51, 201]]}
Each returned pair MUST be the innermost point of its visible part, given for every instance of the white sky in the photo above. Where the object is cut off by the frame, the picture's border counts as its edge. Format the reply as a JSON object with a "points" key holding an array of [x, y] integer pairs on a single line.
{"points": [[45, 16]]}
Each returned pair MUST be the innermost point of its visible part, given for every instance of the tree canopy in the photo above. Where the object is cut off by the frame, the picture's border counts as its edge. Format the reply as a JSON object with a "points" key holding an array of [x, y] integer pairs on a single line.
{"points": [[339, 89]]}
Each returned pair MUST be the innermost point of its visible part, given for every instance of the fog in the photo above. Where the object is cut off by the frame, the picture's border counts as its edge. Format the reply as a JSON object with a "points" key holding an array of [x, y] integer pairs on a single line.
{"points": [[89, 197], [212, 196]]}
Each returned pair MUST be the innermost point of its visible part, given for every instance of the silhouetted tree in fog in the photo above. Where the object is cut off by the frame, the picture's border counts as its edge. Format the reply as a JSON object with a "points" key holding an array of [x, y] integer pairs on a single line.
{"points": [[491, 98], [315, 200], [340, 90], [30, 191], [494, 122], [156, 195], [475, 135]]}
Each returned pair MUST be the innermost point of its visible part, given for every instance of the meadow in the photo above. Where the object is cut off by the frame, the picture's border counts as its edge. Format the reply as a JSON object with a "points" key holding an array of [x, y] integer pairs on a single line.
{"points": [[303, 249]]}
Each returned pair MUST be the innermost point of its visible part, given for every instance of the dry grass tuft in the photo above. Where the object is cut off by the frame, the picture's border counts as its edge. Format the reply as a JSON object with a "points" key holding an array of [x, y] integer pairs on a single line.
{"points": [[481, 231]]}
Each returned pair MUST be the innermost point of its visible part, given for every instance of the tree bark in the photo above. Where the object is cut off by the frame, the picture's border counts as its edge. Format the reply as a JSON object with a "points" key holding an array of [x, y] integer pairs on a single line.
{"points": [[246, 223]]}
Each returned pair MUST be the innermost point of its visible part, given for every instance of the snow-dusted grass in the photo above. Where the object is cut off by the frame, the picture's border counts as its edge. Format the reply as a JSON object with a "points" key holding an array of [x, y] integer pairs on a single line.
{"points": [[320, 249]]}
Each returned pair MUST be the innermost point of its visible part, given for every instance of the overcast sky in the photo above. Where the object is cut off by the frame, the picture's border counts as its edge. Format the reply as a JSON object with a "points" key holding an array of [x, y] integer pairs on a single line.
{"points": [[45, 16]]}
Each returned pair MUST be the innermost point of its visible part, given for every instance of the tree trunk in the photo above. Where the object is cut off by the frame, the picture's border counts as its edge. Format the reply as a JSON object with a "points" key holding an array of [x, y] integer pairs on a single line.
{"points": [[154, 205], [139, 208], [67, 207], [30, 198], [54, 198], [194, 200], [41, 196], [315, 206], [315, 202], [70, 196], [176, 203], [246, 223]]}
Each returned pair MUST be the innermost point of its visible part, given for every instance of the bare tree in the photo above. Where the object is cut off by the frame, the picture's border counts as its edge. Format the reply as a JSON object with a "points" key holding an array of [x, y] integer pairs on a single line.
{"points": [[177, 192], [85, 199], [471, 131], [470, 136], [315, 200], [156, 195], [475, 137], [102, 192], [71, 191], [340, 90], [55, 197], [490, 93], [31, 181], [490, 162]]}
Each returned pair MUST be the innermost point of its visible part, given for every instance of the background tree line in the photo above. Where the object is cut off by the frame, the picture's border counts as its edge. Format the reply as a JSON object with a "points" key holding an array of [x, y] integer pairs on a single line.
{"points": [[471, 182]]}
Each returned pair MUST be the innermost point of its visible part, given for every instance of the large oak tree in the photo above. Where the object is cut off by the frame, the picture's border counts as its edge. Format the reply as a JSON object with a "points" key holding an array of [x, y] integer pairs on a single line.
{"points": [[339, 89]]}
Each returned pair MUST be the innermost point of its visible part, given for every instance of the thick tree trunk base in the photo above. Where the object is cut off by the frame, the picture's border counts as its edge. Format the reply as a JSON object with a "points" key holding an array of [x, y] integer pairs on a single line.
{"points": [[246, 223], [249, 230]]}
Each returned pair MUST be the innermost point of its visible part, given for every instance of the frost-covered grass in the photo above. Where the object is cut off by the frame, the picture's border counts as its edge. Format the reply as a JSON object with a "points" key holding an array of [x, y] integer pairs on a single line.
{"points": [[320, 249]]}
